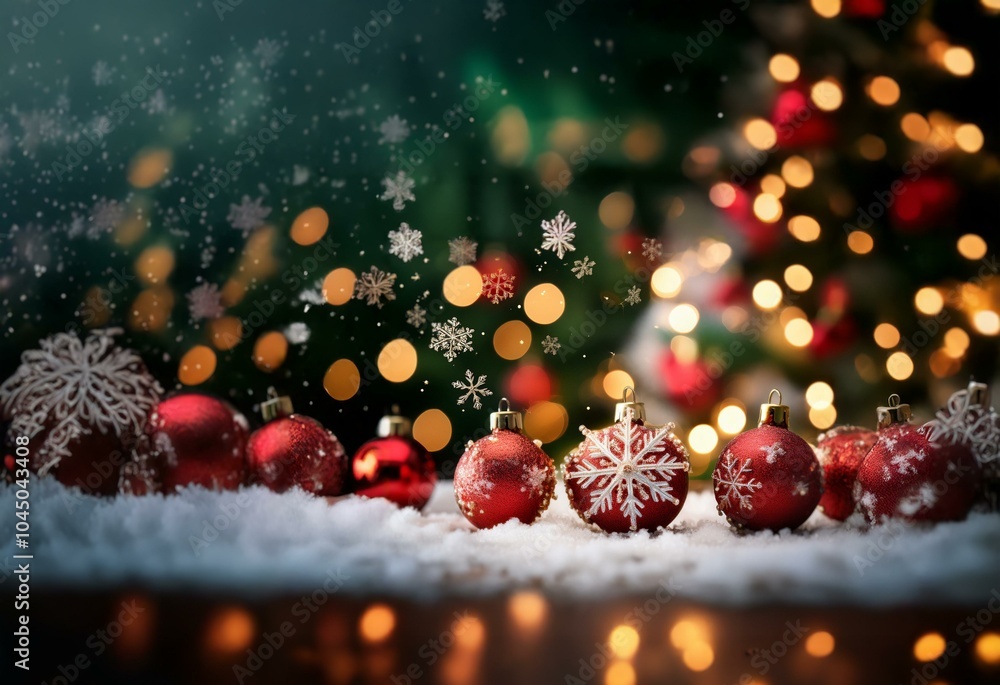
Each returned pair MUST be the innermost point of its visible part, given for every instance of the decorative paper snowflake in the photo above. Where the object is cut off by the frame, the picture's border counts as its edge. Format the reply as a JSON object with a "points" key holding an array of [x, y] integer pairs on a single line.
{"points": [[393, 130], [462, 251], [634, 296], [70, 387], [559, 234], [399, 190], [631, 467], [494, 10], [551, 345], [248, 214], [735, 483], [102, 73], [267, 52], [405, 243], [965, 423], [375, 285], [451, 338], [583, 267], [205, 302], [417, 316], [652, 249], [498, 286], [475, 389]]}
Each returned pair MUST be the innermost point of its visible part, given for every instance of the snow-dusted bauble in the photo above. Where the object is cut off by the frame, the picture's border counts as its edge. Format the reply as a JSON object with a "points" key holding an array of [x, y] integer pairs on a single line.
{"points": [[768, 478], [969, 419], [504, 475], [292, 450], [394, 466], [840, 452], [196, 439], [909, 476], [630, 475], [83, 404], [140, 475]]}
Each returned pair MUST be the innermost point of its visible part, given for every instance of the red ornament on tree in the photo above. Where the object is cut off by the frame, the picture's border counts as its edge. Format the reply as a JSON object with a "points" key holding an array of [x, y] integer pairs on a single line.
{"points": [[83, 404], [505, 475], [394, 466], [292, 450], [840, 452], [630, 475], [908, 476], [195, 439], [768, 478]]}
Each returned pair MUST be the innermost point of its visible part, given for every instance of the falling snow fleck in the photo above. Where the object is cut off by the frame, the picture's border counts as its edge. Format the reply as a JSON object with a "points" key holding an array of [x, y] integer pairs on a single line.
{"points": [[399, 190], [634, 296], [559, 234], [494, 10], [652, 249], [451, 338], [405, 243], [375, 285], [583, 267], [248, 215], [462, 251], [551, 345], [417, 316], [267, 52], [475, 389], [393, 130], [205, 302]]}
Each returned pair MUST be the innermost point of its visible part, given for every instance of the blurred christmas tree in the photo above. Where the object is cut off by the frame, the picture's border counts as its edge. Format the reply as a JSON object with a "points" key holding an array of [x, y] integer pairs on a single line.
{"points": [[246, 206]]}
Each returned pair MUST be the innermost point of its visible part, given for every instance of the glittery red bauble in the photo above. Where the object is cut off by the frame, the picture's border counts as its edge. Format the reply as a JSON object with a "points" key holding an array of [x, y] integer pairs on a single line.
{"points": [[396, 468], [628, 476], [504, 476], [840, 452], [907, 476], [767, 478], [195, 439], [297, 451]]}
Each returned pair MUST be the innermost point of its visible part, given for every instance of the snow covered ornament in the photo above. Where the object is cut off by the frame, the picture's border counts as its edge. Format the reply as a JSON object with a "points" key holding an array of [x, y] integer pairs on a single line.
{"points": [[504, 475], [768, 478], [83, 404], [909, 476], [630, 475]]}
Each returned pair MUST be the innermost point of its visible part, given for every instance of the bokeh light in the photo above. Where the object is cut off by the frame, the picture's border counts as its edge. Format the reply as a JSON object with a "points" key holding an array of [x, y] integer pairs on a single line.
{"points": [[820, 644], [616, 210], [958, 61], [229, 631], [624, 641], [883, 91], [528, 609], [928, 301], [886, 335], [546, 421], [986, 322], [666, 281], [310, 226], [971, 246], [397, 361], [615, 382], [732, 419], [463, 286], [827, 95], [798, 332], [988, 648], [197, 365], [783, 68], [377, 623], [827, 9], [798, 278], [154, 264], [899, 365], [819, 395], [823, 418], [149, 167], [512, 340], [683, 318], [969, 138], [620, 673], [270, 350], [703, 439], [544, 303], [342, 380], [338, 286], [432, 429], [767, 208], [804, 228], [929, 647], [797, 171], [760, 133], [860, 242], [767, 294]]}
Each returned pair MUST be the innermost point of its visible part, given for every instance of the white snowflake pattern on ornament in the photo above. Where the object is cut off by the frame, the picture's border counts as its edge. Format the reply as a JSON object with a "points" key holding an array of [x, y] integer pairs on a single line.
{"points": [[405, 243], [736, 485], [451, 338], [393, 130], [498, 286], [205, 302], [462, 251], [535, 477], [558, 234], [960, 421], [399, 190], [583, 267], [475, 389], [374, 286], [71, 387], [642, 470], [924, 498], [772, 452], [904, 462], [652, 249]]}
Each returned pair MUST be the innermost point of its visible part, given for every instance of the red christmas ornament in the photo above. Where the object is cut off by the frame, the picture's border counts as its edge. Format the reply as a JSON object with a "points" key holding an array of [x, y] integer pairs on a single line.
{"points": [[83, 404], [505, 475], [139, 476], [194, 439], [970, 420], [840, 452], [768, 478], [394, 466], [908, 476], [292, 450], [630, 475]]}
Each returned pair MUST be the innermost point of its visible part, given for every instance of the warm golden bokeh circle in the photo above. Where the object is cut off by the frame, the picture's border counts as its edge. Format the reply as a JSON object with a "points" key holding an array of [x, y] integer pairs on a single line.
{"points": [[397, 361], [270, 350], [310, 226], [544, 303], [512, 339], [432, 429], [197, 365], [342, 380], [463, 286], [338, 286], [546, 421]]}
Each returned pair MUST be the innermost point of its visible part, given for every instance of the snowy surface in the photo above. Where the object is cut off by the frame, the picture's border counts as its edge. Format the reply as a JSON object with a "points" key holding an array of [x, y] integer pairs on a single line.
{"points": [[280, 543]]}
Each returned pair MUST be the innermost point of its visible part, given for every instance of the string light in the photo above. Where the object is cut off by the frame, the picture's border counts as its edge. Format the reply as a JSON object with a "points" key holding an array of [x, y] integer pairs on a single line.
{"points": [[899, 365], [798, 332], [886, 336], [804, 228], [929, 647], [971, 246], [760, 134], [958, 61], [860, 242], [767, 208], [798, 278], [797, 171], [827, 95], [969, 138], [767, 294], [683, 318], [783, 68], [703, 438], [883, 91], [928, 301]]}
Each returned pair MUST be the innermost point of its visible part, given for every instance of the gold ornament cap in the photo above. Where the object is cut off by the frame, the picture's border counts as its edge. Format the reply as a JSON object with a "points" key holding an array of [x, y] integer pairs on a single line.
{"points": [[773, 414], [979, 394], [896, 412], [637, 407], [276, 405], [505, 418], [394, 424]]}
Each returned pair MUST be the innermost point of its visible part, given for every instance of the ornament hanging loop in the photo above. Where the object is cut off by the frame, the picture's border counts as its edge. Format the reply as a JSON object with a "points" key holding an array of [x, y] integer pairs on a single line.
{"points": [[276, 405], [895, 412], [979, 394], [505, 418], [637, 407], [773, 413], [394, 424]]}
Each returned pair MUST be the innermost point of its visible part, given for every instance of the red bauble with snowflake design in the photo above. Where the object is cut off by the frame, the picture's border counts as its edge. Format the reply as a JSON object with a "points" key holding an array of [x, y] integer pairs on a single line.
{"points": [[969, 419], [768, 478], [908, 476], [292, 450], [628, 476], [83, 404], [195, 439], [504, 476], [840, 452]]}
